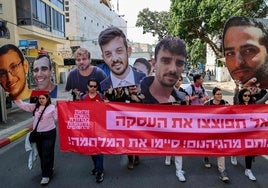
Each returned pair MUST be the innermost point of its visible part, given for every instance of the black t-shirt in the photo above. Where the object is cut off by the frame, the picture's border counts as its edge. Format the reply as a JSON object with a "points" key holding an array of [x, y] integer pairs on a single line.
{"points": [[222, 102]]}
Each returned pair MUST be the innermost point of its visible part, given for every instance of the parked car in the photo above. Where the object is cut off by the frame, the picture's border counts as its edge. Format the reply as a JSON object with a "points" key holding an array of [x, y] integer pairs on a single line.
{"points": [[186, 81]]}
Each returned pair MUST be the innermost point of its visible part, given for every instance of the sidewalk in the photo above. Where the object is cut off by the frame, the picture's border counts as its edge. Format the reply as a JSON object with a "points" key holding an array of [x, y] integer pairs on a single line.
{"points": [[229, 85], [19, 122]]}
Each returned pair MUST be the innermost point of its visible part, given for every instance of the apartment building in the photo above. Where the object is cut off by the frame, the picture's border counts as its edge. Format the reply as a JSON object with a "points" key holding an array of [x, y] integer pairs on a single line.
{"points": [[57, 27]]}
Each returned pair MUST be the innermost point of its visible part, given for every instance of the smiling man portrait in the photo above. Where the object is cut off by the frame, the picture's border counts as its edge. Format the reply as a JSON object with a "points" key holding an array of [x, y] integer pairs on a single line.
{"points": [[13, 70]]}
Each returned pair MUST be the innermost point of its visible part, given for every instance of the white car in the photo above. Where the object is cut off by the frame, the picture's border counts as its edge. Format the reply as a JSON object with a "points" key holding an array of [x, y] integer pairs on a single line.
{"points": [[185, 82]]}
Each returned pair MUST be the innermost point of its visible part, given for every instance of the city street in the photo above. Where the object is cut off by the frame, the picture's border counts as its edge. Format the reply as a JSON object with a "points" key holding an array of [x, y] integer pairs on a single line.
{"points": [[47, 52], [73, 169]]}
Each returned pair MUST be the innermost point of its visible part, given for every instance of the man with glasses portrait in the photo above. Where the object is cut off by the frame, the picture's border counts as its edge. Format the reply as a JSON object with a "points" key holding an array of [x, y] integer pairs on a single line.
{"points": [[13, 70]]}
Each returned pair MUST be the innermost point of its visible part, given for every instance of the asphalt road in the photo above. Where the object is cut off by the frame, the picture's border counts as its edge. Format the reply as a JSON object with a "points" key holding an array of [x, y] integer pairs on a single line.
{"points": [[73, 170]]}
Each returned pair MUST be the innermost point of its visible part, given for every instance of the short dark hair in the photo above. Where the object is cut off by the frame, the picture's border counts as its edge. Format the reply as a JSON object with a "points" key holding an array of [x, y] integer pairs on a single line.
{"points": [[47, 56], [7, 47], [109, 34], [145, 62], [236, 21], [174, 45], [215, 89], [93, 80], [196, 77]]}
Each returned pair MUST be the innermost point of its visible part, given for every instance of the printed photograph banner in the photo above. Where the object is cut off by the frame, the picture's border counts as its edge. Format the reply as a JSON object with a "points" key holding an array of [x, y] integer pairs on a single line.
{"points": [[148, 129]]}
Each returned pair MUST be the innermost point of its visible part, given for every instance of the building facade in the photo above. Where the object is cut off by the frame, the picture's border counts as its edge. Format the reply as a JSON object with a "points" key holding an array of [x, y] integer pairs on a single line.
{"points": [[141, 50], [57, 27], [84, 21]]}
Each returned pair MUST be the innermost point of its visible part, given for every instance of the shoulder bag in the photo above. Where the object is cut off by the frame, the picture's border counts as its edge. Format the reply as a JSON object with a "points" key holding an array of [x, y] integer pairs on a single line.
{"points": [[34, 136]]}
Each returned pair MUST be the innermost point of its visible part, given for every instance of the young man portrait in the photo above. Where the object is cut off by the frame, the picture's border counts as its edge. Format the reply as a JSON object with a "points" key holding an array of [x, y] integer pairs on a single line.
{"points": [[170, 57], [115, 53], [13, 70], [245, 46], [79, 76], [42, 72]]}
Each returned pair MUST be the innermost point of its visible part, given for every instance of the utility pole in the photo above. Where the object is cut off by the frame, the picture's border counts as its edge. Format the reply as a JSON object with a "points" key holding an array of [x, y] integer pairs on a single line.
{"points": [[3, 110]]}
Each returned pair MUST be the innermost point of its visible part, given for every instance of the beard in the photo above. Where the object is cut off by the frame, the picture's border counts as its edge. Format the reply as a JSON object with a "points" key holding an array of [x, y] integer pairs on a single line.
{"points": [[169, 83], [262, 74], [83, 67], [118, 70]]}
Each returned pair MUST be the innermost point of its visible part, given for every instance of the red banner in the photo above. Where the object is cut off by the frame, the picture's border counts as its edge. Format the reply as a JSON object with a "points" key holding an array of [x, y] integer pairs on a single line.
{"points": [[148, 129]]}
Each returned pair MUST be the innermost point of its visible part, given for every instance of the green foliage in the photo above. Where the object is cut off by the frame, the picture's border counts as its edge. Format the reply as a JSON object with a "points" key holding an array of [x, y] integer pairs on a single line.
{"points": [[154, 22], [219, 63], [197, 52], [198, 19], [204, 19]]}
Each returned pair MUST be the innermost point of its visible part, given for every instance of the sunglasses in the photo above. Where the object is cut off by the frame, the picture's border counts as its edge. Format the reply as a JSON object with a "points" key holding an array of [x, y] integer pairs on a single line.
{"points": [[246, 95], [92, 86]]}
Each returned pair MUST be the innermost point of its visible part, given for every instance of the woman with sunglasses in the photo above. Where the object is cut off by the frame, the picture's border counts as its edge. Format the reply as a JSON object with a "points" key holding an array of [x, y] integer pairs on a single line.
{"points": [[46, 130], [244, 97], [247, 96]]}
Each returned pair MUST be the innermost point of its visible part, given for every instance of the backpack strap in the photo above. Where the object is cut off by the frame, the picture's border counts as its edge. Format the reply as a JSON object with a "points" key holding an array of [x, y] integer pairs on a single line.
{"points": [[203, 89], [193, 89], [83, 97], [101, 96]]}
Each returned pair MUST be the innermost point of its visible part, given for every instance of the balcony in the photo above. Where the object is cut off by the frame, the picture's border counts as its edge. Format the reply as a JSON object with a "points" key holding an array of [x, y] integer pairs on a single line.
{"points": [[31, 26]]}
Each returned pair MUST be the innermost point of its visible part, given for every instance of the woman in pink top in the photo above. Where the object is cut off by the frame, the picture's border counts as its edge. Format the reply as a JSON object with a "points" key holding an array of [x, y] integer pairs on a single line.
{"points": [[47, 132]]}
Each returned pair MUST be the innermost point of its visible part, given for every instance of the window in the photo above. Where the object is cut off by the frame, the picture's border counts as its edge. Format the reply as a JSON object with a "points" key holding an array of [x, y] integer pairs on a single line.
{"points": [[43, 14], [1, 9], [58, 3], [58, 22]]}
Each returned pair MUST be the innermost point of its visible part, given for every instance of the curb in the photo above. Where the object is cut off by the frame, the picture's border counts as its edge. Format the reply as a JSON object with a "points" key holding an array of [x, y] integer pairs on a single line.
{"points": [[15, 136]]}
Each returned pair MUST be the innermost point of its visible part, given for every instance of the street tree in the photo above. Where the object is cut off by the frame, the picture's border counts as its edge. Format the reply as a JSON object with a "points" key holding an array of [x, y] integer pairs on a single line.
{"points": [[197, 52], [204, 19], [154, 22]]}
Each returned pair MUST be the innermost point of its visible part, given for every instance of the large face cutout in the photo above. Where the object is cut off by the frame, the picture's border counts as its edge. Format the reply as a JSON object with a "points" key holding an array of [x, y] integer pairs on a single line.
{"points": [[13, 73], [245, 57], [42, 73]]}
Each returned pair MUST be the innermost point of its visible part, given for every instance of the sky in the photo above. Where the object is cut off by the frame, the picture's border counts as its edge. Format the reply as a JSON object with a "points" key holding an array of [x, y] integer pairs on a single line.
{"points": [[131, 8]]}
